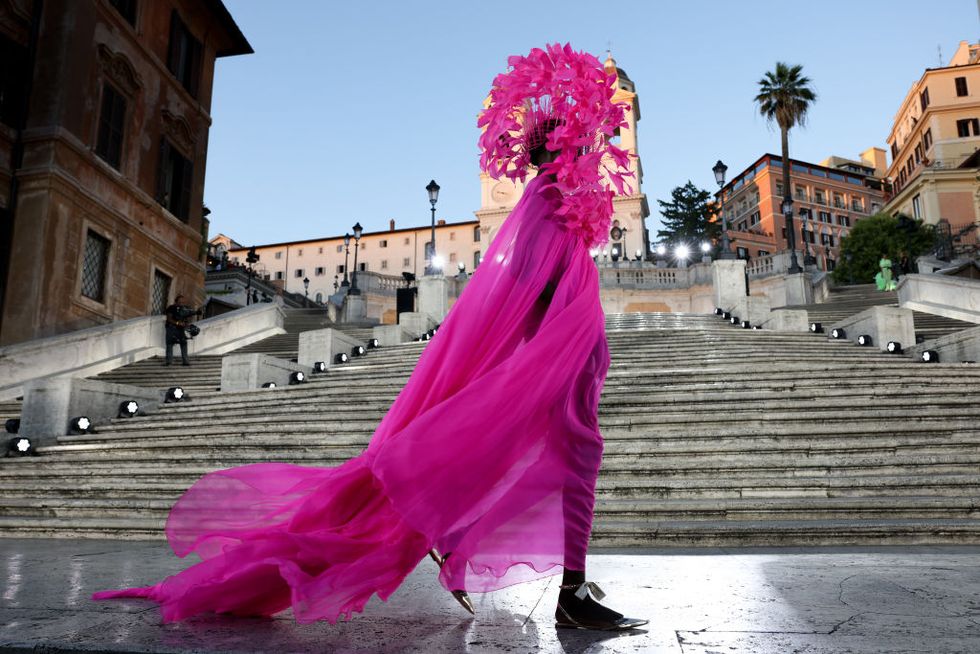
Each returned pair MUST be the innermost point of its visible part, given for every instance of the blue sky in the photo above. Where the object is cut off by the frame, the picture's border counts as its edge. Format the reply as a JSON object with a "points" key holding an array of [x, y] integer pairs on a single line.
{"points": [[347, 110]]}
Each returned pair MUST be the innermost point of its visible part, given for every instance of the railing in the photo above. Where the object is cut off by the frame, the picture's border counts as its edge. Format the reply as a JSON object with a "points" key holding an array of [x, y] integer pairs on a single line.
{"points": [[760, 266], [650, 277]]}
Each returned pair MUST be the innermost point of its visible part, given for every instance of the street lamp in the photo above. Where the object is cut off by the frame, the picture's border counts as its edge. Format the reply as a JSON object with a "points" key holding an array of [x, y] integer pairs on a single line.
{"points": [[353, 276], [346, 283], [794, 265], [726, 247], [306, 292], [808, 258], [251, 258], [433, 189]]}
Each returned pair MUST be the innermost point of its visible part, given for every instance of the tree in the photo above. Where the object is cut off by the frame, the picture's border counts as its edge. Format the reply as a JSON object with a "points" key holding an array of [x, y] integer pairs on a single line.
{"points": [[687, 216], [785, 98], [878, 235]]}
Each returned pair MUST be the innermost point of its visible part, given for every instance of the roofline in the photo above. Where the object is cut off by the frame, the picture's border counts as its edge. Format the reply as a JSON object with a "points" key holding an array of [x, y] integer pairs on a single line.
{"points": [[240, 45], [793, 161], [363, 234], [910, 96]]}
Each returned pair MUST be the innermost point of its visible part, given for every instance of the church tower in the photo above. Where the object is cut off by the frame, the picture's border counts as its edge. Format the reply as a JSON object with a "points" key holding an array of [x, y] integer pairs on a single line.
{"points": [[498, 197]]}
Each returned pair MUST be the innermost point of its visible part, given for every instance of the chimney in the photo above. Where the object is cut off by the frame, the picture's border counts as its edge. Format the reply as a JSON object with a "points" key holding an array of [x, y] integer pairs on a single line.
{"points": [[391, 225], [440, 222]]}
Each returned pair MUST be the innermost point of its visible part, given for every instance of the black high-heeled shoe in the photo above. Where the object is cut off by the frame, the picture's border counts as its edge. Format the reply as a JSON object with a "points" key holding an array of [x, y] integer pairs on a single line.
{"points": [[461, 596], [577, 610]]}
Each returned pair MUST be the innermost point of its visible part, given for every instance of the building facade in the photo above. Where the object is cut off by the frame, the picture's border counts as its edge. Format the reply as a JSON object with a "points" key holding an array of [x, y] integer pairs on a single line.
{"points": [[498, 197], [828, 198], [392, 252], [104, 119], [935, 146]]}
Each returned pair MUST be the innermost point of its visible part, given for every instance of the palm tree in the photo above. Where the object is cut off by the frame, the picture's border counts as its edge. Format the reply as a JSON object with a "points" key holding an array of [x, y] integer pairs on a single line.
{"points": [[784, 98]]}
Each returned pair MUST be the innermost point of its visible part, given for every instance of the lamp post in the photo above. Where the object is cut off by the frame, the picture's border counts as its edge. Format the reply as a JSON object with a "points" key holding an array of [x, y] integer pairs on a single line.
{"points": [[794, 265], [353, 276], [805, 216], [433, 189], [251, 258], [306, 292], [726, 247], [346, 283]]}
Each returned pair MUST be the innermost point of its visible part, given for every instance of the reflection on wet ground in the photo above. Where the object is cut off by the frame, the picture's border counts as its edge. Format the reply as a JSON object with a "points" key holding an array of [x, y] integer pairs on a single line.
{"points": [[819, 601]]}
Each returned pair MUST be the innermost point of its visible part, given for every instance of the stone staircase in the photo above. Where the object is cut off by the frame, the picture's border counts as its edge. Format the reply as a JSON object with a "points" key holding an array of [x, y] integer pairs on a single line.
{"points": [[845, 301], [714, 436]]}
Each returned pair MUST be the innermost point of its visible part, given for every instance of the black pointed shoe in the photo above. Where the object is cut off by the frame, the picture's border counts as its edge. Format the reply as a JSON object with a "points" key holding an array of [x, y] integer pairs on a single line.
{"points": [[579, 608]]}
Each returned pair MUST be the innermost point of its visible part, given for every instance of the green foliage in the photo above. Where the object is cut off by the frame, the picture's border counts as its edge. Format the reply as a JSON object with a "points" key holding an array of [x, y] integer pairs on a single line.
{"points": [[687, 216], [785, 96], [878, 235]]}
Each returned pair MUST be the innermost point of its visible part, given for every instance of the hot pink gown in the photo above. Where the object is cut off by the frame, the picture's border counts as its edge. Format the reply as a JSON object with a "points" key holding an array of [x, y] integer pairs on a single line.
{"points": [[490, 452]]}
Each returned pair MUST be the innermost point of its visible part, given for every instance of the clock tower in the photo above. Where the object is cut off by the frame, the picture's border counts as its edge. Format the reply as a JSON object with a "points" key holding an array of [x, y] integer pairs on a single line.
{"points": [[628, 233]]}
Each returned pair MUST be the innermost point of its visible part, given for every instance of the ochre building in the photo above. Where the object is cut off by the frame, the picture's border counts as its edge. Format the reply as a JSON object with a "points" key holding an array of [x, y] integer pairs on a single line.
{"points": [[104, 119]]}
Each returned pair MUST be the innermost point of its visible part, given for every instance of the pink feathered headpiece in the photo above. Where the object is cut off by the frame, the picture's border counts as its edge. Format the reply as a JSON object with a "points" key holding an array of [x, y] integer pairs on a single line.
{"points": [[563, 99]]}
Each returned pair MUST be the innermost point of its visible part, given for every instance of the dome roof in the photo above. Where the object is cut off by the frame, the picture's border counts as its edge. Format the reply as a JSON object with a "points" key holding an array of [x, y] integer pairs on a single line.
{"points": [[610, 65]]}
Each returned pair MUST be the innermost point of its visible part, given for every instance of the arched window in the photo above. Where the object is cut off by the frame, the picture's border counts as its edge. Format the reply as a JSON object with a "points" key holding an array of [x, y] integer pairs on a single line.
{"points": [[319, 298]]}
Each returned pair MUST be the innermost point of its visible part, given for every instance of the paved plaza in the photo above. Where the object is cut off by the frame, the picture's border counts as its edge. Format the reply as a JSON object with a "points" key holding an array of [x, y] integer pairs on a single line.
{"points": [[894, 600]]}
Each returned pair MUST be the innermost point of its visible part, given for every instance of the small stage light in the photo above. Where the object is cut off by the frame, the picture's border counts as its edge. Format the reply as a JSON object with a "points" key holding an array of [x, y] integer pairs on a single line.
{"points": [[175, 394], [426, 336], [865, 340], [726, 315], [297, 378], [894, 347], [930, 356], [746, 324], [269, 385], [357, 351], [129, 408], [816, 328], [12, 425], [838, 333], [19, 446], [373, 343], [341, 358], [733, 320], [319, 367], [756, 327], [718, 311], [80, 425]]}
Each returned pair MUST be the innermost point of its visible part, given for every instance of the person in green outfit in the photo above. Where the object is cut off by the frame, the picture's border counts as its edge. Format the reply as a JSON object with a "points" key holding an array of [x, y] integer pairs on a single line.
{"points": [[884, 277]]}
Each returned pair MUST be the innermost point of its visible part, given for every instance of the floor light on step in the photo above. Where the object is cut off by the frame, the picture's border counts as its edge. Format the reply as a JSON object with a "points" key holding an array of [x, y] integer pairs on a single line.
{"points": [[816, 328], [838, 333], [341, 358], [175, 394], [756, 327], [129, 409], [80, 425], [746, 324], [734, 320], [12, 425], [864, 340], [319, 367], [373, 343], [19, 446], [726, 315], [719, 311], [930, 356], [269, 385], [357, 351], [297, 378], [894, 347]]}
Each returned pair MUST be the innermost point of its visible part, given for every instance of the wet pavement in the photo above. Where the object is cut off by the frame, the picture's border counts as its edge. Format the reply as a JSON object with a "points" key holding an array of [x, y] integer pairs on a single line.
{"points": [[817, 601]]}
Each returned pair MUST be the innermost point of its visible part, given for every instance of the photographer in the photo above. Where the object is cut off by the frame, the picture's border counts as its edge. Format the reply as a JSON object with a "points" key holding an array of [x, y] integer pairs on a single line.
{"points": [[178, 319]]}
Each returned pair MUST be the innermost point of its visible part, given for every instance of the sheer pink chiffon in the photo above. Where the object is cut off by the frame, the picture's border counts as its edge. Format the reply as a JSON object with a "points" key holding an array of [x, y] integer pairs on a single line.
{"points": [[490, 452]]}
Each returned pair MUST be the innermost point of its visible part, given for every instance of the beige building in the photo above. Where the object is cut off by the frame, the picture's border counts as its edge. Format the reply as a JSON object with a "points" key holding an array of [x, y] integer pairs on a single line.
{"points": [[391, 252], [498, 197], [935, 146]]}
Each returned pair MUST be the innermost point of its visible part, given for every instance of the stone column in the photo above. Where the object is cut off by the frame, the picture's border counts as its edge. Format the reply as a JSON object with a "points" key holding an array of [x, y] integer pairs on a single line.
{"points": [[728, 282], [799, 289], [355, 308], [434, 297]]}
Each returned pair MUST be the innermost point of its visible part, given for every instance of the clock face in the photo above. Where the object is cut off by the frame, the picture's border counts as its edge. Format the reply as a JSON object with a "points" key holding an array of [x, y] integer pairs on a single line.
{"points": [[502, 193]]}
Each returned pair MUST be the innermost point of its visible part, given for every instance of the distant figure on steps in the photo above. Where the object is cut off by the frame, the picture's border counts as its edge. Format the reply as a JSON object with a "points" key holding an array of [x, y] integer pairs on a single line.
{"points": [[884, 277]]}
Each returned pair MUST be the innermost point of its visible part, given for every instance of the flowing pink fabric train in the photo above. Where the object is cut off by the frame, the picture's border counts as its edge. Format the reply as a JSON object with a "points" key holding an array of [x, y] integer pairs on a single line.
{"points": [[490, 452]]}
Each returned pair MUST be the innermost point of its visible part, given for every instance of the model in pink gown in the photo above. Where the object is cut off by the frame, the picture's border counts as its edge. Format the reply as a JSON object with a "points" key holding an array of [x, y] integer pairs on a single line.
{"points": [[490, 452]]}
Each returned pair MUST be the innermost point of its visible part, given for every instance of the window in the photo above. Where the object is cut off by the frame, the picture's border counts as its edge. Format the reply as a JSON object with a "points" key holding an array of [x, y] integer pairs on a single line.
{"points": [[961, 87], [406, 262], [476, 234], [408, 241], [741, 227], [384, 264], [299, 252], [917, 153], [279, 274], [801, 193], [364, 245], [963, 127], [126, 9], [319, 298], [839, 201], [298, 272], [319, 271], [161, 293], [894, 151], [917, 207], [924, 98], [742, 253], [819, 196], [875, 207], [843, 220], [779, 189], [112, 118], [857, 204], [184, 55], [174, 184], [362, 267], [476, 259], [763, 253], [278, 255], [319, 250], [754, 219], [13, 81], [95, 265], [927, 140], [340, 248], [340, 269], [383, 243], [452, 257], [827, 239], [824, 216]]}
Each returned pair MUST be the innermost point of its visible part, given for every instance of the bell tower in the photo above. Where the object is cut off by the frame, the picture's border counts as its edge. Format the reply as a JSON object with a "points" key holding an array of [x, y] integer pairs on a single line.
{"points": [[498, 197]]}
